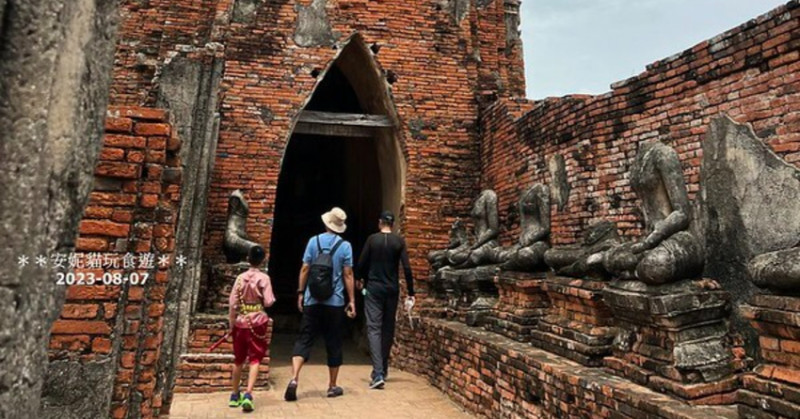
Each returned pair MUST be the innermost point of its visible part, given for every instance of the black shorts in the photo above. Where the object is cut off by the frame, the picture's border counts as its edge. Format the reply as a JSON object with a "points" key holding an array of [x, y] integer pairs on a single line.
{"points": [[322, 320]]}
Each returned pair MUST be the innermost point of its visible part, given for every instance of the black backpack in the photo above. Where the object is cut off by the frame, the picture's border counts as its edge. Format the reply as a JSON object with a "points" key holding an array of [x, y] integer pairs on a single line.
{"points": [[320, 274]]}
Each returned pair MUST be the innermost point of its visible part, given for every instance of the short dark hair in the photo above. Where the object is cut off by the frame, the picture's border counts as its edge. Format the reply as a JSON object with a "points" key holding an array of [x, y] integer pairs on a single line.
{"points": [[387, 218], [256, 256]]}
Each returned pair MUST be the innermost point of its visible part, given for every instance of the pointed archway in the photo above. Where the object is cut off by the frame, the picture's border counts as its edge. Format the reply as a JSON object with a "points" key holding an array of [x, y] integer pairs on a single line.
{"points": [[344, 150]]}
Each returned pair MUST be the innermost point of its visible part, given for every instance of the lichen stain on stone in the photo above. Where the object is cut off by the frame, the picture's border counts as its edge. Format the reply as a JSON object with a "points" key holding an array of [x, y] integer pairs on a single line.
{"points": [[313, 27]]}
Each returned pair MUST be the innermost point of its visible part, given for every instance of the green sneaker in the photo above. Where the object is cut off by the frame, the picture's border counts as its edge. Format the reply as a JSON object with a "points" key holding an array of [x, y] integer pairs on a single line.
{"points": [[236, 400], [247, 403]]}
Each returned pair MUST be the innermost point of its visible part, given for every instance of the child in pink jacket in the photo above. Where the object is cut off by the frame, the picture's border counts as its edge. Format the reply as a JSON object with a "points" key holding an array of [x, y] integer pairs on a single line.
{"points": [[251, 292]]}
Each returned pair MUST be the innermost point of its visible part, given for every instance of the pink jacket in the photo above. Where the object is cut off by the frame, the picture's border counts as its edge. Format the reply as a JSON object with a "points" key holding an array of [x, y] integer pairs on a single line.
{"points": [[256, 288]]}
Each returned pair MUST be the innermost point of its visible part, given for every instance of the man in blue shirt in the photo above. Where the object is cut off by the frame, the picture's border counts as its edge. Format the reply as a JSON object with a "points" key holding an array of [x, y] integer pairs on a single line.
{"points": [[326, 318]]}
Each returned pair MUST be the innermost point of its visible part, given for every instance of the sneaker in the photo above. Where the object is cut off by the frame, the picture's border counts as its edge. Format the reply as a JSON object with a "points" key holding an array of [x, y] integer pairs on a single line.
{"points": [[335, 391], [236, 400], [377, 383], [247, 403], [291, 392]]}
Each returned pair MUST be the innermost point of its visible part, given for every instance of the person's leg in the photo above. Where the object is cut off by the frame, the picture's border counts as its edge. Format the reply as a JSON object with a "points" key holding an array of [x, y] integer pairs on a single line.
{"points": [[333, 325], [252, 376], [236, 378], [387, 330], [373, 310], [239, 358], [309, 326]]}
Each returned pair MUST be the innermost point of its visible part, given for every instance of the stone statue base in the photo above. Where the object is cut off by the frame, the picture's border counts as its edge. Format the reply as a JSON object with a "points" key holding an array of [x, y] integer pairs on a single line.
{"points": [[434, 305], [577, 324], [522, 302], [773, 388], [470, 293], [675, 339]]}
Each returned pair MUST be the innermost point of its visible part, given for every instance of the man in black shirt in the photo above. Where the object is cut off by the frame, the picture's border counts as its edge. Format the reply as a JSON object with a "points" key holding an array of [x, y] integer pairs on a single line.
{"points": [[378, 266]]}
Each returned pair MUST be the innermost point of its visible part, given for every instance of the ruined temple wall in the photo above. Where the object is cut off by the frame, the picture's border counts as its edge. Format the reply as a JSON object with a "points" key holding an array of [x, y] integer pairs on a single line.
{"points": [[751, 73], [104, 348], [444, 59]]}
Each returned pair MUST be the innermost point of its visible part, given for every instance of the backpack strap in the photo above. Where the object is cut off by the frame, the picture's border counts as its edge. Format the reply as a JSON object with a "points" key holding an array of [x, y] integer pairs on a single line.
{"points": [[336, 247], [319, 246]]}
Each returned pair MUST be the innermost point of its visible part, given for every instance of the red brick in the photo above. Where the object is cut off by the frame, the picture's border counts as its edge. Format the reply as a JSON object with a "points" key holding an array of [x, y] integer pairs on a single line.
{"points": [[79, 311], [77, 327], [118, 170], [91, 244], [119, 125], [104, 228], [152, 129], [124, 141]]}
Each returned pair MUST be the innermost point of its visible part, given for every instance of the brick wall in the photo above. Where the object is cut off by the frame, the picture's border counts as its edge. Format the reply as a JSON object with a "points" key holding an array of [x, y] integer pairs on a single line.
{"points": [[444, 59], [132, 210], [493, 376], [751, 73]]}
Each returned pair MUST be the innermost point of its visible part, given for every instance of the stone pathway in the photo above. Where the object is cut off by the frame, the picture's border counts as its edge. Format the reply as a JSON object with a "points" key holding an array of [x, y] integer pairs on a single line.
{"points": [[405, 396]]}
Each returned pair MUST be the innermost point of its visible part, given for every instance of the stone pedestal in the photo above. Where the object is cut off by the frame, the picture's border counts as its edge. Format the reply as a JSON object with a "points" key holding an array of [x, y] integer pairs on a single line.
{"points": [[577, 324], [470, 293], [521, 303], [675, 339], [772, 390], [435, 303]]}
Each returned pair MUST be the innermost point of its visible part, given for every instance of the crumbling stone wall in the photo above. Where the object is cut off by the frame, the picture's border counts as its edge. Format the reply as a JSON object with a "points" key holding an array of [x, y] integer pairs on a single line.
{"points": [[55, 61], [105, 346], [495, 377], [750, 73]]}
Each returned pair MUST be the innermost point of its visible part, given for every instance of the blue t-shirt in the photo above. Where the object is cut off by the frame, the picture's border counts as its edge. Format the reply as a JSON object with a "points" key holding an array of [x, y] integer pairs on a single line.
{"points": [[343, 258]]}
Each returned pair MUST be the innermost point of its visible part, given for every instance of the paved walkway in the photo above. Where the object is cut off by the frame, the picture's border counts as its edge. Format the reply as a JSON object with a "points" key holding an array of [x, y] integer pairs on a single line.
{"points": [[405, 396]]}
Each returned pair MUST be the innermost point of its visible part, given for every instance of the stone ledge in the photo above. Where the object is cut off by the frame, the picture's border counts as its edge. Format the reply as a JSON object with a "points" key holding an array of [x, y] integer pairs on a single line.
{"points": [[494, 376]]}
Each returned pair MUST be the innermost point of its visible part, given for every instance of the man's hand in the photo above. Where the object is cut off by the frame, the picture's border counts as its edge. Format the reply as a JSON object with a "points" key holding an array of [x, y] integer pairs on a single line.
{"points": [[351, 310], [300, 302]]}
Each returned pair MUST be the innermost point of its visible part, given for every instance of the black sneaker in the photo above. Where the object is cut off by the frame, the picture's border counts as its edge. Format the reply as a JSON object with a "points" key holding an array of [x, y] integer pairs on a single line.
{"points": [[291, 392], [335, 391], [377, 383]]}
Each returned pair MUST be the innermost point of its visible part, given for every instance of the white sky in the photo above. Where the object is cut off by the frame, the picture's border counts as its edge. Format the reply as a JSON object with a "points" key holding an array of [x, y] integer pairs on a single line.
{"points": [[582, 46]]}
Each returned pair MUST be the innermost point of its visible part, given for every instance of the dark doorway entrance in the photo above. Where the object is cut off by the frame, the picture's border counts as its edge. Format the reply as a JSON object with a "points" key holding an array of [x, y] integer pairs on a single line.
{"points": [[356, 167]]}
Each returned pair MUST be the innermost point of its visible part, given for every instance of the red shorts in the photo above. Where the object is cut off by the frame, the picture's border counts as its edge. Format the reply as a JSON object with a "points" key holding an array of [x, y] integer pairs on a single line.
{"points": [[247, 347]]}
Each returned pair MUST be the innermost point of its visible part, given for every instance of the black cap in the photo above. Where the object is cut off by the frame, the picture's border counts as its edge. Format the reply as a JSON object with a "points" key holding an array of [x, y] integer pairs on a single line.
{"points": [[387, 217]]}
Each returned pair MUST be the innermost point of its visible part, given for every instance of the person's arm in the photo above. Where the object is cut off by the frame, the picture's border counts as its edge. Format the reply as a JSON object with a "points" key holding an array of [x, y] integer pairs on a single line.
{"points": [[233, 304], [302, 285], [349, 278], [407, 269], [362, 269], [269, 296], [308, 257], [349, 284]]}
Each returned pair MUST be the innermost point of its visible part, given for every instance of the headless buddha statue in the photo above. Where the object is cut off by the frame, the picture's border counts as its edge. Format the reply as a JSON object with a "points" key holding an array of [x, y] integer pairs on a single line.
{"points": [[669, 252], [778, 270], [487, 228], [528, 253], [236, 244], [459, 243]]}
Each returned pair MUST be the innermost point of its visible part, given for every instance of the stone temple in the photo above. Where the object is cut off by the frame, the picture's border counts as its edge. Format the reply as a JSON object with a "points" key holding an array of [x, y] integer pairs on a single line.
{"points": [[626, 255]]}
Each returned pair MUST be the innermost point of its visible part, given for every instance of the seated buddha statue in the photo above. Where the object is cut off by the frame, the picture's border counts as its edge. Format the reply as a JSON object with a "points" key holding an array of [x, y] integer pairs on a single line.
{"points": [[779, 270], [669, 251], [528, 253], [459, 243]]}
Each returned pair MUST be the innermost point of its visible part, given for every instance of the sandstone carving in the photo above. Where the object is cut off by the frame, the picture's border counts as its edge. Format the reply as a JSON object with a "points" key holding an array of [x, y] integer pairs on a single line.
{"points": [[585, 260], [669, 252], [528, 253], [777, 270], [459, 243], [486, 227], [236, 245]]}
